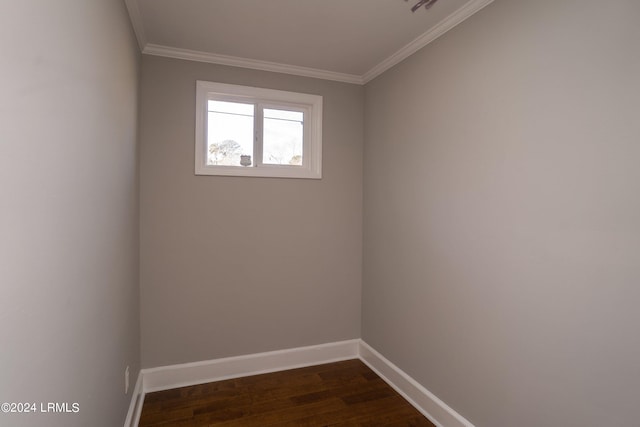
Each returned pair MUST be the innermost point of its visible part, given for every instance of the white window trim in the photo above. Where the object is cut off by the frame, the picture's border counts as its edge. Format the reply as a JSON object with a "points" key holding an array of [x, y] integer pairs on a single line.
{"points": [[266, 98]]}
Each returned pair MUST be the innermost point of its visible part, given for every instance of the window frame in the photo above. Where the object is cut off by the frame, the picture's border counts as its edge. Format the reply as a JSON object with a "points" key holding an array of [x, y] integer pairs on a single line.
{"points": [[309, 105]]}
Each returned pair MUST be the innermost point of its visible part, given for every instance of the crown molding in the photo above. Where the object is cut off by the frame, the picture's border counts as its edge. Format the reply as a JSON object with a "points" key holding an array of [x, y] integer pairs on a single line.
{"points": [[234, 61], [136, 22], [442, 27], [421, 41]]}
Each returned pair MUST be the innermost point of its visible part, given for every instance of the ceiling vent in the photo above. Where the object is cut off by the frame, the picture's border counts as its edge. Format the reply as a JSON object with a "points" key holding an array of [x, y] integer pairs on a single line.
{"points": [[426, 3]]}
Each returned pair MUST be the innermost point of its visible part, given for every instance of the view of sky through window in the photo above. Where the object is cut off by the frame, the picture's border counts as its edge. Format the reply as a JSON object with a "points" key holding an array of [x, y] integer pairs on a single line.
{"points": [[230, 132], [283, 136]]}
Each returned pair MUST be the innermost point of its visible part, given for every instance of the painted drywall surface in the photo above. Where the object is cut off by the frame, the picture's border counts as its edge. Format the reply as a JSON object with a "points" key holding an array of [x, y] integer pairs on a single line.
{"points": [[502, 215], [69, 317], [234, 265]]}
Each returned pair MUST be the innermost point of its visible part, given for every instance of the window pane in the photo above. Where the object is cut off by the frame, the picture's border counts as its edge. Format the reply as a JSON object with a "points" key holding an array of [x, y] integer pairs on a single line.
{"points": [[231, 107], [230, 132], [283, 135], [283, 114]]}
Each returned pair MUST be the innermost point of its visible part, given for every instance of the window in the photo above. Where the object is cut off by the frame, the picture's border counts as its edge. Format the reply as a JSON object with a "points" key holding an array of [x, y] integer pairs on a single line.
{"points": [[248, 131]]}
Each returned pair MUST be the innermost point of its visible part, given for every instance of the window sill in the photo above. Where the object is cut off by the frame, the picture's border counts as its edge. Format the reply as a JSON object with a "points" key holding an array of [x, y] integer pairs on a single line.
{"points": [[259, 172]]}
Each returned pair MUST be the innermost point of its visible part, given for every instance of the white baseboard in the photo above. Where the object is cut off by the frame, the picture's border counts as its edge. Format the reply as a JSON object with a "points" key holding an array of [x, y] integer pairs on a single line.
{"points": [[174, 376], [187, 374], [135, 407], [422, 399]]}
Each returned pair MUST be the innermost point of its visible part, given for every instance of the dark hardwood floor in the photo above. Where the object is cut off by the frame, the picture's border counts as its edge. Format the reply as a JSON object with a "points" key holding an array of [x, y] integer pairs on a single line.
{"points": [[337, 394]]}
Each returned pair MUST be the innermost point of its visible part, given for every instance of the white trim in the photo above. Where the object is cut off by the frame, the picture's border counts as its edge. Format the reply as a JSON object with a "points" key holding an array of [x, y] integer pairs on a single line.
{"points": [[422, 399], [187, 374], [310, 105], [460, 15], [255, 64], [136, 22], [135, 407]]}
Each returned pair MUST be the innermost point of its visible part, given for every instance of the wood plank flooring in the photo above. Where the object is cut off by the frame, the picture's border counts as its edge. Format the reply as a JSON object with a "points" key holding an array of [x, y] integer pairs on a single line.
{"points": [[336, 394]]}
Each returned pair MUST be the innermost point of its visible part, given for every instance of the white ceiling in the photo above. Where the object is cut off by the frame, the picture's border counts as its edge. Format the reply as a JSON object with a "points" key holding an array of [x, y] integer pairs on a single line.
{"points": [[347, 40]]}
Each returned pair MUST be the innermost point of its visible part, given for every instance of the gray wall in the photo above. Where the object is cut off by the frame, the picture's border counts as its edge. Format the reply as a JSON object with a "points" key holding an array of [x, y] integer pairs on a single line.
{"points": [[502, 214], [69, 317], [233, 265]]}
